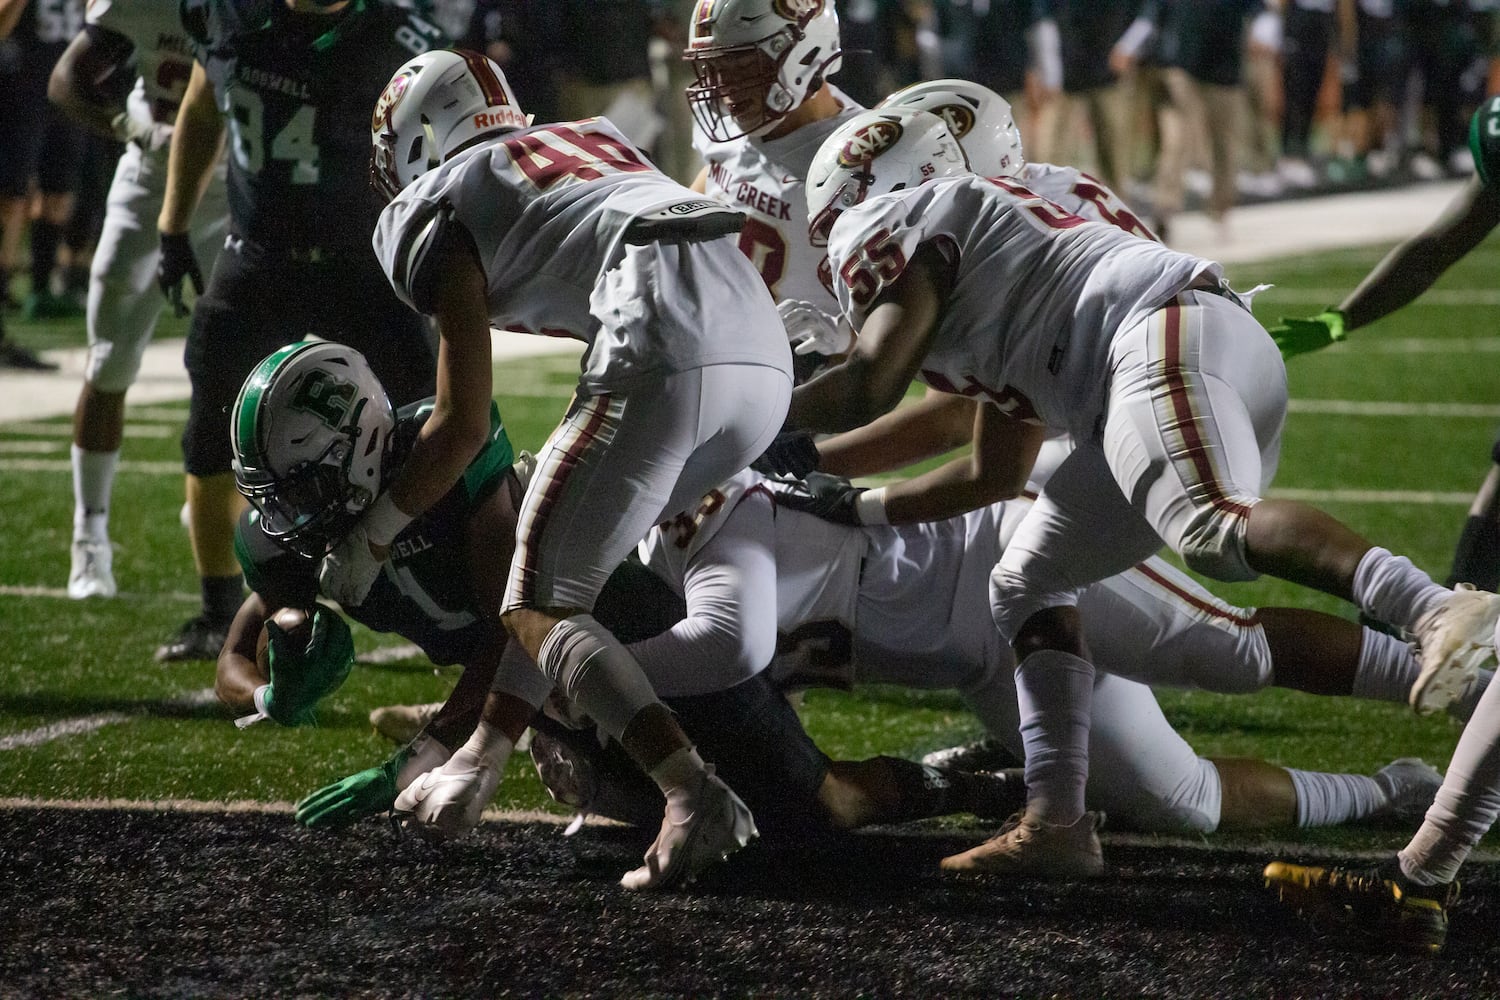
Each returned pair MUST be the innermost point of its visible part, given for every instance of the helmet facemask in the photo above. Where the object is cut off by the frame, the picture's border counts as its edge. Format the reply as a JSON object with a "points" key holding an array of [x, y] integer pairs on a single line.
{"points": [[742, 89]]}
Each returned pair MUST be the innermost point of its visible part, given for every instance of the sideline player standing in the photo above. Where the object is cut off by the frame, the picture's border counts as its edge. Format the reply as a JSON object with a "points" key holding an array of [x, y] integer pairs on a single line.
{"points": [[293, 82], [566, 230], [1175, 399], [124, 302]]}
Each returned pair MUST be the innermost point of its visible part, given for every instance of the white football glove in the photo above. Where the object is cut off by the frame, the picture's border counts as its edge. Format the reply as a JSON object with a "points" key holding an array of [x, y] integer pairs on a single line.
{"points": [[810, 330], [131, 125], [446, 802], [349, 571]]}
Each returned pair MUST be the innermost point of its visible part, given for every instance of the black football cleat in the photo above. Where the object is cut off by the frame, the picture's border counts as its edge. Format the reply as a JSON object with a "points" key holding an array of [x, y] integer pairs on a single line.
{"points": [[15, 356], [1377, 905], [197, 639], [988, 754]]}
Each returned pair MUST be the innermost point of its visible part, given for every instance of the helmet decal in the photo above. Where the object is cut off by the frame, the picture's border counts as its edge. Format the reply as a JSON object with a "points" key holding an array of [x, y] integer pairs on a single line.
{"points": [[325, 396], [391, 96], [869, 142], [960, 119], [800, 11]]}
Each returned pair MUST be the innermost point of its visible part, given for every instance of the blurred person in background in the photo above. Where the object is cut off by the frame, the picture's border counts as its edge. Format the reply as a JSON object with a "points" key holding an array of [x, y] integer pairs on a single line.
{"points": [[1307, 37]]}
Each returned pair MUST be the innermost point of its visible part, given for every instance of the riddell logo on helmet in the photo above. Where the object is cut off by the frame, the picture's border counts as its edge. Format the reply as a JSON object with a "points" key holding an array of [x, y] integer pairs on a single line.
{"points": [[800, 11], [390, 97], [959, 118], [869, 142], [497, 119]]}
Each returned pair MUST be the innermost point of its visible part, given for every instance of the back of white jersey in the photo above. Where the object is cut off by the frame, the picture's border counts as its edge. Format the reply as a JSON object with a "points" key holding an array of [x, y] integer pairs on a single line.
{"points": [[1039, 293], [551, 210], [1086, 197], [765, 179], [163, 56]]}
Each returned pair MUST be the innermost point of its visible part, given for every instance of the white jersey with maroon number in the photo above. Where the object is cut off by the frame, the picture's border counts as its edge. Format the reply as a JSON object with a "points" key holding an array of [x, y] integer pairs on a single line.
{"points": [[1087, 197], [552, 210], [766, 179], [163, 56], [1039, 293]]}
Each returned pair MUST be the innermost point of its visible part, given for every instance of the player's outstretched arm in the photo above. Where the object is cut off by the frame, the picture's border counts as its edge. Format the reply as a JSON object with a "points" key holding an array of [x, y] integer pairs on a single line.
{"points": [[91, 56], [892, 342], [913, 432], [197, 139], [238, 672]]}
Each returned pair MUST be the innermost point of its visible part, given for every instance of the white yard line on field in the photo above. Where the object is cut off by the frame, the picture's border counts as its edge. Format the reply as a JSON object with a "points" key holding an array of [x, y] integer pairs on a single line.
{"points": [[1370, 408], [1404, 497], [61, 593], [1324, 297], [88, 723]]}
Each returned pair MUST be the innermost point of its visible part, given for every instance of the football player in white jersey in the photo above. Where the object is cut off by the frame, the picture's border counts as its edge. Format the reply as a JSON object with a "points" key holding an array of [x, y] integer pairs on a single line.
{"points": [[123, 302], [567, 230], [762, 106], [1174, 396], [906, 606]]}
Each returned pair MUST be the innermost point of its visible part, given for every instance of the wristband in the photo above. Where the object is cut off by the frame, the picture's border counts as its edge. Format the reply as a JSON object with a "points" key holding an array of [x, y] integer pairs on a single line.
{"points": [[384, 520], [245, 721], [869, 507]]}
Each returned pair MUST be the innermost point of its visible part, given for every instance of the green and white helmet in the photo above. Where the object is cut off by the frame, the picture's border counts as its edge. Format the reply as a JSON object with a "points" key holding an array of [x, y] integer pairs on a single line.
{"points": [[312, 427]]}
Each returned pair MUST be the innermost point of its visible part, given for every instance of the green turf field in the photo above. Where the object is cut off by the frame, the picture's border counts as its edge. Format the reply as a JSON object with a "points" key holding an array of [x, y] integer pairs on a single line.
{"points": [[86, 713]]}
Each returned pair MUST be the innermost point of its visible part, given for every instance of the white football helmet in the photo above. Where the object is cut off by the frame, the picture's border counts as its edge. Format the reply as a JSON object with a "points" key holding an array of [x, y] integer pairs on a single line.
{"points": [[433, 105], [758, 60], [873, 153], [312, 428], [979, 119]]}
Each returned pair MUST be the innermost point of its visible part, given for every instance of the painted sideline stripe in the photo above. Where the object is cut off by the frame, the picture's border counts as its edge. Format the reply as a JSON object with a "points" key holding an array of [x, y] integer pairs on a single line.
{"points": [[1364, 408], [87, 724], [65, 430], [1373, 496], [1323, 297], [66, 465], [61, 593], [258, 808]]}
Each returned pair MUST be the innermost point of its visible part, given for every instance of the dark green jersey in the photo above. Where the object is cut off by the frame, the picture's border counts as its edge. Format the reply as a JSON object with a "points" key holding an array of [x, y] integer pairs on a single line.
{"points": [[296, 91], [424, 592], [1484, 141]]}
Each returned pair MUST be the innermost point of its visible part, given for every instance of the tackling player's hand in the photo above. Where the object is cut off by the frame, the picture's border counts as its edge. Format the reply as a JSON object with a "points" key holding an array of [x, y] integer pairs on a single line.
{"points": [[792, 453], [301, 677], [368, 793], [349, 570], [831, 498], [1299, 336], [176, 264], [810, 330]]}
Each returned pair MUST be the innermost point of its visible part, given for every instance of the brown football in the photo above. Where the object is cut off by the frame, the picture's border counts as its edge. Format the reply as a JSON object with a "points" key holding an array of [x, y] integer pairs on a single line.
{"points": [[296, 622]]}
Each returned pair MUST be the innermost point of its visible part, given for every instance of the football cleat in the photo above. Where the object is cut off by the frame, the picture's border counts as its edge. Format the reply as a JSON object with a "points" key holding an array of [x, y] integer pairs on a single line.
{"points": [[1376, 904], [402, 723], [1028, 846], [1409, 784], [197, 639], [714, 824], [92, 573], [446, 802], [1456, 639], [988, 754]]}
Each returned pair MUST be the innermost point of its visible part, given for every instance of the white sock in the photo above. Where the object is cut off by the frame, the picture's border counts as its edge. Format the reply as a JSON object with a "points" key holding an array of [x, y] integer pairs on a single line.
{"points": [[93, 483], [592, 669], [1391, 590], [490, 745], [1325, 799], [1387, 668], [1467, 803], [1055, 693]]}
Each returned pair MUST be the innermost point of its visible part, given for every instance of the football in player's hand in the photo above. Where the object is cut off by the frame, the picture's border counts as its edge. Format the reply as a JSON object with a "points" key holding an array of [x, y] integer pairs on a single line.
{"points": [[296, 623]]}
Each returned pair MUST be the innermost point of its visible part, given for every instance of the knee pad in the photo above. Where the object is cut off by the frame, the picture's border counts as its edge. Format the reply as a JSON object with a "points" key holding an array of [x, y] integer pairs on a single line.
{"points": [[114, 367], [1013, 600], [1213, 542], [1191, 806]]}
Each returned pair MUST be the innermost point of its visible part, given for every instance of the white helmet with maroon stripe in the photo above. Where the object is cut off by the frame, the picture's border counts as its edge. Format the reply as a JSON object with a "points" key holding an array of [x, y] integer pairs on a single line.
{"points": [[758, 60], [979, 118], [873, 153], [433, 105]]}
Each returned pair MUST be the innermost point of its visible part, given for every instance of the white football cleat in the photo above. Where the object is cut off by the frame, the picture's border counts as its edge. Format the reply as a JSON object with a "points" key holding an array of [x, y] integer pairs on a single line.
{"points": [[402, 723], [92, 572], [446, 802], [1409, 784], [716, 825], [1455, 640]]}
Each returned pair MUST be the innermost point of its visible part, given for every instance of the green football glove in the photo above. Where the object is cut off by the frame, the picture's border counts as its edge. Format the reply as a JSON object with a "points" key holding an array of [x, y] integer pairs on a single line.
{"points": [[300, 678], [367, 793], [1298, 336]]}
